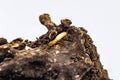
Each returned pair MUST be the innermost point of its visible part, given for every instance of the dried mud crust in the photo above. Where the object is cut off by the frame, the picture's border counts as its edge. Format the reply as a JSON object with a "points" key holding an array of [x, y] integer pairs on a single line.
{"points": [[65, 52]]}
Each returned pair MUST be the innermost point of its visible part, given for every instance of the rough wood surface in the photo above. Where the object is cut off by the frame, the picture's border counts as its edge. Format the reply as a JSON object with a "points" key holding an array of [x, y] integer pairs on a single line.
{"points": [[65, 52]]}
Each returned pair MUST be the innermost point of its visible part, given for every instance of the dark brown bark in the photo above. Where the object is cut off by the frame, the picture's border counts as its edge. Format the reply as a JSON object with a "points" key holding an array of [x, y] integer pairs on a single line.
{"points": [[65, 52]]}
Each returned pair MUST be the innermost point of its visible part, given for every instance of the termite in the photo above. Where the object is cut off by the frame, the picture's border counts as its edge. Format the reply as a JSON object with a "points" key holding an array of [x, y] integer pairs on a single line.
{"points": [[58, 38]]}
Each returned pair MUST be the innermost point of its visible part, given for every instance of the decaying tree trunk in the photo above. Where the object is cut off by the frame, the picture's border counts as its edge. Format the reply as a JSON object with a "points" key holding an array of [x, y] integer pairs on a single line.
{"points": [[65, 52]]}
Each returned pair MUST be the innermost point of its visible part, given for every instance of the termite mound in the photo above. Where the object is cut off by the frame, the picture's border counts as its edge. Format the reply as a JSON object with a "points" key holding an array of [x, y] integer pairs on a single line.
{"points": [[65, 52]]}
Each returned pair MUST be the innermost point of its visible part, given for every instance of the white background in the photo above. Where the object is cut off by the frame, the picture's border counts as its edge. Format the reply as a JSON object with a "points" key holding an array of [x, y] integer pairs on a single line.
{"points": [[19, 18]]}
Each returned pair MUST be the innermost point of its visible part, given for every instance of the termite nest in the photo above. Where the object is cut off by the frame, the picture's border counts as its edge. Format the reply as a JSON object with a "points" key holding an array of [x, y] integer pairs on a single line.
{"points": [[65, 52]]}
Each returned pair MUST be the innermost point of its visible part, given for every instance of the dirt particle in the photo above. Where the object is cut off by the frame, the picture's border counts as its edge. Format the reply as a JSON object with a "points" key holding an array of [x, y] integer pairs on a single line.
{"points": [[88, 61], [3, 41]]}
